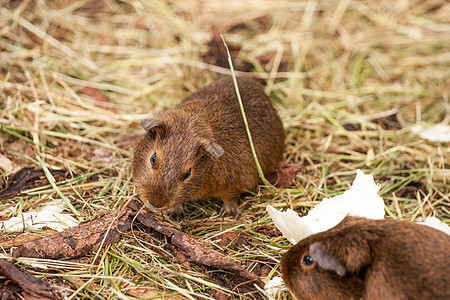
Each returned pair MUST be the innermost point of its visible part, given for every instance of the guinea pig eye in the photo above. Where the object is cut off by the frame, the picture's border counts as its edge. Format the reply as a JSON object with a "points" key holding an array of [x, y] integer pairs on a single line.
{"points": [[307, 260], [152, 160], [187, 175]]}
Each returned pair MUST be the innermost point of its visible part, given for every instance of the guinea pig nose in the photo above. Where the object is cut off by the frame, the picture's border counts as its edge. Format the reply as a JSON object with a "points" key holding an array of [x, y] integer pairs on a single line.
{"points": [[158, 204]]}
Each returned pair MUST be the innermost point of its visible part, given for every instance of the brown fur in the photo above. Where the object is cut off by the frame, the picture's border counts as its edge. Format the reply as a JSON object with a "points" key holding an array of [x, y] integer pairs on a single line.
{"points": [[382, 259], [190, 135]]}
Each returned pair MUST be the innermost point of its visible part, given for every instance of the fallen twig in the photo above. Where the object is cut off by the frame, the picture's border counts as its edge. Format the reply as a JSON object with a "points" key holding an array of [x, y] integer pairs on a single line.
{"points": [[82, 239], [79, 240], [194, 250]]}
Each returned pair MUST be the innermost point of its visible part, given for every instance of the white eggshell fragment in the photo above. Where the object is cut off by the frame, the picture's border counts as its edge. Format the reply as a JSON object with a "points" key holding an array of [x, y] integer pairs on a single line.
{"points": [[273, 287], [49, 215], [435, 133], [436, 224], [360, 200]]}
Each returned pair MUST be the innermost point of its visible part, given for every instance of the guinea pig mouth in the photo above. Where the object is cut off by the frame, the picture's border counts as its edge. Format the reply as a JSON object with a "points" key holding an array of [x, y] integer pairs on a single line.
{"points": [[155, 209], [155, 202]]}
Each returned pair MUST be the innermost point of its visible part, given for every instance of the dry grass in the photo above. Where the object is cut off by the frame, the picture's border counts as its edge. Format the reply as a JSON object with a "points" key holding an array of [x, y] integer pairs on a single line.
{"points": [[349, 63]]}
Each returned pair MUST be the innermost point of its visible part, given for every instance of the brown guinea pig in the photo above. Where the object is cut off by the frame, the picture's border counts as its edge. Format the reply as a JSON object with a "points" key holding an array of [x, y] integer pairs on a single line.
{"points": [[200, 149], [370, 259]]}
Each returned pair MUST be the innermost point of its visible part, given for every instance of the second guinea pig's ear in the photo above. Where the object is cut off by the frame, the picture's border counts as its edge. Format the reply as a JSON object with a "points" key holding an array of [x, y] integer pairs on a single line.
{"points": [[348, 248], [150, 124], [320, 255], [214, 149]]}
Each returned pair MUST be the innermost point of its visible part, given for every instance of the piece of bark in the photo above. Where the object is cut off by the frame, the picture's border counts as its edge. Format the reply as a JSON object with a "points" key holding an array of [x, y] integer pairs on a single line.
{"points": [[28, 178], [79, 240], [8, 289], [32, 287], [19, 240], [284, 175], [82, 239], [193, 250]]}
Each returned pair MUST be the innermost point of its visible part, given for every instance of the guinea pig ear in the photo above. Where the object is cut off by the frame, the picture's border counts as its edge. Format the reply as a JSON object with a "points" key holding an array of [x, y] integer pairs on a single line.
{"points": [[150, 124], [213, 148], [319, 254], [350, 248]]}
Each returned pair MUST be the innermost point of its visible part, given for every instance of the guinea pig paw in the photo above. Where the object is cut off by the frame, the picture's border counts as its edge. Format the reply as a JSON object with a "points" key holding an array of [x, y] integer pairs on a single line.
{"points": [[230, 209]]}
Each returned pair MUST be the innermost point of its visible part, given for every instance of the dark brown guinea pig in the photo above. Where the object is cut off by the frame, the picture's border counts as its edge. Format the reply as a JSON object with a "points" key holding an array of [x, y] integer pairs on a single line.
{"points": [[370, 259], [200, 149]]}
